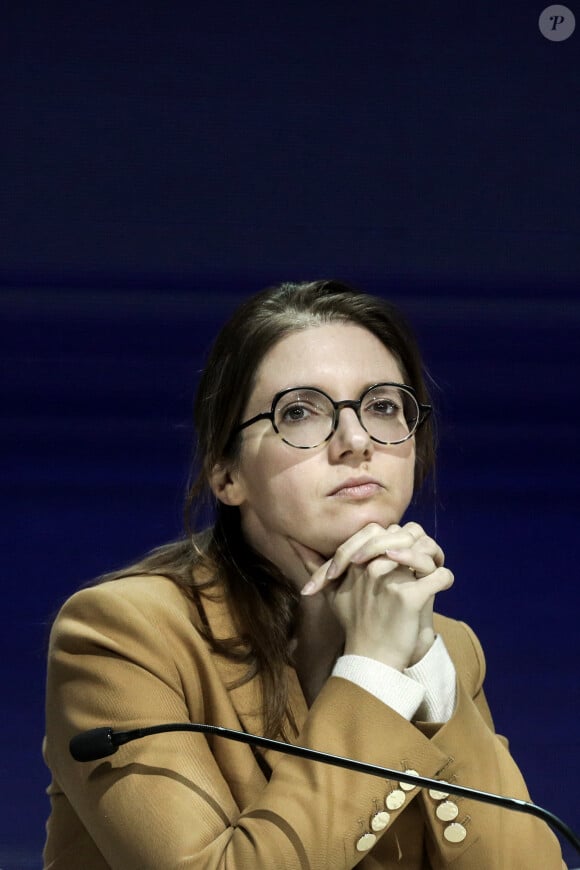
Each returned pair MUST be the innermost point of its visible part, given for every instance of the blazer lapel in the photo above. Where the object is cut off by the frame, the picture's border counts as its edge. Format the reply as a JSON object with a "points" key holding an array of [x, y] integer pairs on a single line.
{"points": [[246, 696]]}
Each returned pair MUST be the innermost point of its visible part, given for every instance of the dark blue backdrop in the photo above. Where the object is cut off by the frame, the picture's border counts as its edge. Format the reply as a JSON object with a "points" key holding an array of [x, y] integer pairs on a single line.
{"points": [[162, 162]]}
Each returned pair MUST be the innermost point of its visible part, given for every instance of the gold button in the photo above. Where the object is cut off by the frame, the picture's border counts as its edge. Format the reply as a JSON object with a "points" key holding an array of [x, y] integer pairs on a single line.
{"points": [[407, 786], [438, 795], [380, 821], [447, 811], [395, 800], [455, 833], [366, 842]]}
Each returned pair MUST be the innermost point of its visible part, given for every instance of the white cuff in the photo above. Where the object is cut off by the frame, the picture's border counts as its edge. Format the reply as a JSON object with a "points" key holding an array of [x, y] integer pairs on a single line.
{"points": [[436, 673], [426, 691], [402, 693]]}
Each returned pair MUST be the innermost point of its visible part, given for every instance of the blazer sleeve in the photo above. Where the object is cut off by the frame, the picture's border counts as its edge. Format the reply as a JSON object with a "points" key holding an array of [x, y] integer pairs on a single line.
{"points": [[479, 758], [120, 656], [117, 657]]}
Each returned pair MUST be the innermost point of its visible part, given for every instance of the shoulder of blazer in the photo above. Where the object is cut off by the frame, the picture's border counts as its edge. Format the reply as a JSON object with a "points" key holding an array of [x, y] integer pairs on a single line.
{"points": [[143, 591], [155, 598], [465, 650]]}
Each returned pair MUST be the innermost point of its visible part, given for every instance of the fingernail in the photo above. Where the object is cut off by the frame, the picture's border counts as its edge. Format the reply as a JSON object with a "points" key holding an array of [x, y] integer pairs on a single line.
{"points": [[332, 571], [395, 553], [309, 588]]}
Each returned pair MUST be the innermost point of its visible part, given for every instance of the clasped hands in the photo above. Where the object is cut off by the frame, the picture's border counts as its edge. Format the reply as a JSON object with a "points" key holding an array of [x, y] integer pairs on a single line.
{"points": [[381, 585]]}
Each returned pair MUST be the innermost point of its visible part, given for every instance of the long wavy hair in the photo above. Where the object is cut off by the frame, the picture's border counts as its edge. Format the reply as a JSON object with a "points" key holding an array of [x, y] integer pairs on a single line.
{"points": [[218, 560]]}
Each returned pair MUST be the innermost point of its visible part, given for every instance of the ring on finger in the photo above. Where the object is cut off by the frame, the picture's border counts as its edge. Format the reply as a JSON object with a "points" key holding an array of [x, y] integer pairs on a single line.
{"points": [[412, 570]]}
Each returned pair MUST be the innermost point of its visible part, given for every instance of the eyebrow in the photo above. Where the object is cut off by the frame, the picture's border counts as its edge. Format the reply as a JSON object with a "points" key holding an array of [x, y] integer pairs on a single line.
{"points": [[305, 386]]}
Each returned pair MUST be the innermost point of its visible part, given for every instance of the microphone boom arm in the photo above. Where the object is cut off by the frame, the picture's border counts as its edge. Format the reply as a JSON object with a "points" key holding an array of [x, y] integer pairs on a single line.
{"points": [[101, 742]]}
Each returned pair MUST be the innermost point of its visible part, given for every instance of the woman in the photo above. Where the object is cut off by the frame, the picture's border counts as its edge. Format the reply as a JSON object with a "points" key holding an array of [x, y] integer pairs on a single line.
{"points": [[305, 612]]}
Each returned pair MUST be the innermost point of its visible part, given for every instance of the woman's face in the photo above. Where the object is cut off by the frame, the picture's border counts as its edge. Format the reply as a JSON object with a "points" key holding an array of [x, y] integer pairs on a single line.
{"points": [[285, 494]]}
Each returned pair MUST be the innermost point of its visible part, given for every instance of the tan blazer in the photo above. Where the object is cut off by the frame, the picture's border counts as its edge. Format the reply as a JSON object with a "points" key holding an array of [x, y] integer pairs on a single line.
{"points": [[127, 654]]}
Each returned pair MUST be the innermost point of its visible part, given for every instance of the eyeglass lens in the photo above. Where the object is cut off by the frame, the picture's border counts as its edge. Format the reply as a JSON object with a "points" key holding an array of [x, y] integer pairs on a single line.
{"points": [[304, 417]]}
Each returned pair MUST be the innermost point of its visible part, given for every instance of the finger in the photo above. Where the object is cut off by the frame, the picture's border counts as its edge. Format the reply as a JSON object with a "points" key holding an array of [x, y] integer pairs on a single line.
{"points": [[378, 545], [372, 541], [357, 542], [318, 581], [431, 548], [419, 563], [368, 544], [440, 580], [425, 542], [414, 529], [415, 594], [376, 568]]}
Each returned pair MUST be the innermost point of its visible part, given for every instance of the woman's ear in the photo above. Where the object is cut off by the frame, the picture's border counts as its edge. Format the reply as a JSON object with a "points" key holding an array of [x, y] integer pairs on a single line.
{"points": [[226, 485]]}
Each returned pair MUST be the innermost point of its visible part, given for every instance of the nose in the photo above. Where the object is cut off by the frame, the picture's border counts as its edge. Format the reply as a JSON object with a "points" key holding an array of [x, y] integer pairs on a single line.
{"points": [[350, 437]]}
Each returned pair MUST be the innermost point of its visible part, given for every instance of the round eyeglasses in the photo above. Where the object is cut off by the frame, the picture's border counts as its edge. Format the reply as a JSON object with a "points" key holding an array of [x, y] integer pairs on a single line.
{"points": [[306, 417]]}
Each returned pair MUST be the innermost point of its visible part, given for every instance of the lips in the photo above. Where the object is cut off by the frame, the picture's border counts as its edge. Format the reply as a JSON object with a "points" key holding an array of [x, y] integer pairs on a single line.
{"points": [[360, 486]]}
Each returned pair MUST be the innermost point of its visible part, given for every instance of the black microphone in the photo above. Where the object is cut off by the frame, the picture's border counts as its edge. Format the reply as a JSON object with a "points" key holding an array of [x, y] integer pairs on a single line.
{"points": [[101, 742]]}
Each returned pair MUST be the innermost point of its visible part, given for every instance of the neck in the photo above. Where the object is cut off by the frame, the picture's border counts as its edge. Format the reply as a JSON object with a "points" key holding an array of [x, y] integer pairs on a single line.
{"points": [[318, 642]]}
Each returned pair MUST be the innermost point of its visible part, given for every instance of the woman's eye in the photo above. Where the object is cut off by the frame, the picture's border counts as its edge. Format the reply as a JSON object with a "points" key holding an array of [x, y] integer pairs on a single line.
{"points": [[296, 413], [383, 408]]}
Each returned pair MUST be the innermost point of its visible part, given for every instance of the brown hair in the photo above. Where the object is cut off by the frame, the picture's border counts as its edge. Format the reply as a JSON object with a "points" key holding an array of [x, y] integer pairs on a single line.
{"points": [[264, 603]]}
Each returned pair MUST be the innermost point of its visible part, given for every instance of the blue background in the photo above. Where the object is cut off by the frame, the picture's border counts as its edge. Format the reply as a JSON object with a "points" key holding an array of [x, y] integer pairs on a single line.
{"points": [[159, 163]]}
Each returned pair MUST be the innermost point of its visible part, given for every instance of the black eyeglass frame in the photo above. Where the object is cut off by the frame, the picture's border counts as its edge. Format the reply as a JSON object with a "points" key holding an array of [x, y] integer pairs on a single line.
{"points": [[423, 409]]}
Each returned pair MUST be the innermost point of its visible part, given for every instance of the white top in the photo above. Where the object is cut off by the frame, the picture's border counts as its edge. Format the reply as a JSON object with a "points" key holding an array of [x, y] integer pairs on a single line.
{"points": [[425, 692]]}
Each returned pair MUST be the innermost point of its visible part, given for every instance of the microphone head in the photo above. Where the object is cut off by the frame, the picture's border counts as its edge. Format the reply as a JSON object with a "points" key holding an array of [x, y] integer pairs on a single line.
{"points": [[92, 745]]}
